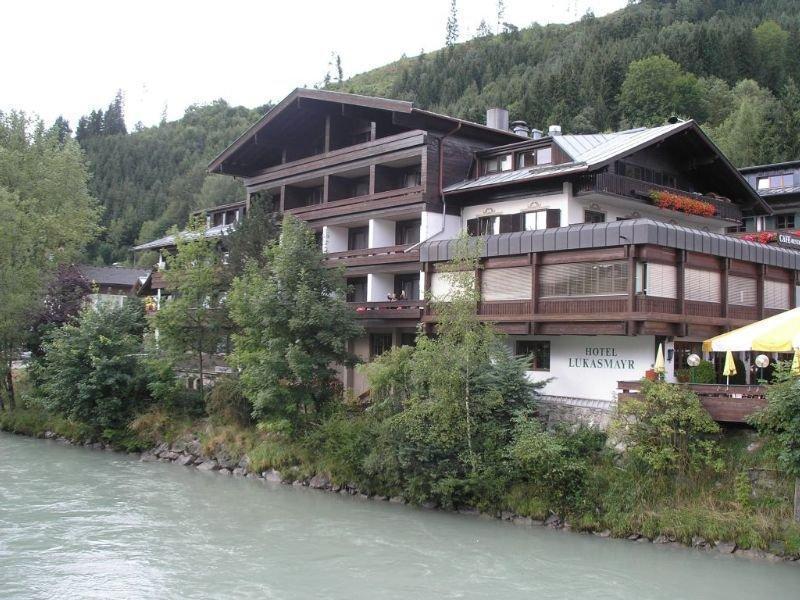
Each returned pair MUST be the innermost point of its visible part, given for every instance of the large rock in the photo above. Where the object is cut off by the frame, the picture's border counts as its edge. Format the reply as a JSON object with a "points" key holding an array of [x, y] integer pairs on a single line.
{"points": [[169, 455], [319, 482], [185, 460], [224, 471], [148, 457], [225, 460], [194, 447], [239, 472], [725, 547], [273, 476], [208, 465]]}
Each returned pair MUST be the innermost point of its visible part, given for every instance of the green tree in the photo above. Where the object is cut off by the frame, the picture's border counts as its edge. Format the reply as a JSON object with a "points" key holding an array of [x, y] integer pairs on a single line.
{"points": [[294, 327], [656, 88], [248, 241], [780, 420], [771, 47], [91, 371], [451, 31], [46, 218], [193, 322]]}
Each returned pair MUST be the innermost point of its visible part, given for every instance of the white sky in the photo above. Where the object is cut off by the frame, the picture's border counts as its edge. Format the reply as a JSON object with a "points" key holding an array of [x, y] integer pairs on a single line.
{"points": [[67, 57]]}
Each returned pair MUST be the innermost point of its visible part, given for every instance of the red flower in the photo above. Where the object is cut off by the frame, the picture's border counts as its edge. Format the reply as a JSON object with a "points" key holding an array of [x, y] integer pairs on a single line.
{"points": [[764, 237], [683, 204]]}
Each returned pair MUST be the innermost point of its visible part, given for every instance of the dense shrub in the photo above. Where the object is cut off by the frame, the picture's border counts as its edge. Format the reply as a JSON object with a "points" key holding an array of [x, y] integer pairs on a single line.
{"points": [[666, 429], [703, 373], [227, 403], [91, 371]]}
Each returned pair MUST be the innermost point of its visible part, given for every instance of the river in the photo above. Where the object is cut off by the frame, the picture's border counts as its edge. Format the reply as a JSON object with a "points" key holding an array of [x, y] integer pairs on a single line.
{"points": [[80, 523]]}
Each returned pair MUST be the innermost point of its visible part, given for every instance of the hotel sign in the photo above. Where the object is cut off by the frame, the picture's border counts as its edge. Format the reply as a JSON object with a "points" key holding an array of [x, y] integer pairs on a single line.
{"points": [[600, 358], [790, 240]]}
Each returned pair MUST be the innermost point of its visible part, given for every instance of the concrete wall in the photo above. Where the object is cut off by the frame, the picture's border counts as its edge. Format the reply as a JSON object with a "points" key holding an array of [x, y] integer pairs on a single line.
{"points": [[432, 224], [509, 207], [381, 233], [334, 239], [379, 285], [589, 367]]}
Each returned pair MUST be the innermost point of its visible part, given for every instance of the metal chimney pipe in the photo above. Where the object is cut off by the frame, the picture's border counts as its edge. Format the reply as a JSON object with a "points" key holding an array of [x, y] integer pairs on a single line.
{"points": [[497, 118]]}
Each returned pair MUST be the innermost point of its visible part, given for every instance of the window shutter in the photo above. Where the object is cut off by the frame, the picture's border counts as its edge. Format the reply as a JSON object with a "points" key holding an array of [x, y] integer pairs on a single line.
{"points": [[472, 227], [776, 294], [741, 291], [511, 223], [662, 280], [584, 279], [553, 217], [702, 286], [512, 283]]}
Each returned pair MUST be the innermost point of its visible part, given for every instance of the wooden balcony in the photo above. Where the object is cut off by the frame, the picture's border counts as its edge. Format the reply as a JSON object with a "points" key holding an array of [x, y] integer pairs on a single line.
{"points": [[725, 403], [627, 187], [371, 256], [399, 310]]}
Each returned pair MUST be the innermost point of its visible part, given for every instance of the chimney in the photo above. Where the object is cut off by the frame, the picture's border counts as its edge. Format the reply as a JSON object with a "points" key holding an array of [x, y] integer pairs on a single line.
{"points": [[497, 118], [536, 134], [521, 128], [554, 130]]}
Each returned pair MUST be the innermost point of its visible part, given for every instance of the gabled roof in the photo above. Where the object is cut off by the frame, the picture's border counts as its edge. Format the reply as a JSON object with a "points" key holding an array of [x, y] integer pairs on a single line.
{"points": [[619, 233], [789, 164], [171, 240], [117, 276], [260, 127], [594, 151]]}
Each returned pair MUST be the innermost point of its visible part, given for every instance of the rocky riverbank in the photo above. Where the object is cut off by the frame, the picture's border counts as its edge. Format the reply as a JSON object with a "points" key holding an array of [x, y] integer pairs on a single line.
{"points": [[188, 452]]}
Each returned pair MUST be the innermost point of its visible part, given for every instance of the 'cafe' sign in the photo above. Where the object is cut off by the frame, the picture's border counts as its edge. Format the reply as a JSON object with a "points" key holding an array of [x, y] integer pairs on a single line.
{"points": [[789, 239]]}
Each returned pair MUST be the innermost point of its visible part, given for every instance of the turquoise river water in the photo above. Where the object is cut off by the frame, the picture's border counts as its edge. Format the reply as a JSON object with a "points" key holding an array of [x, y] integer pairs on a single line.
{"points": [[79, 523]]}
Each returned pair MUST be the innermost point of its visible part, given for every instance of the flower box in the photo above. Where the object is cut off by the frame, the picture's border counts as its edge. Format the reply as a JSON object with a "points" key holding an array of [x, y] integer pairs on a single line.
{"points": [[683, 204]]}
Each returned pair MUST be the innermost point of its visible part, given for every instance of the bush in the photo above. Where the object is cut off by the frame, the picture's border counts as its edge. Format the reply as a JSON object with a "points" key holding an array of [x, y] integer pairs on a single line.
{"points": [[553, 463], [703, 373], [91, 371], [227, 403], [665, 429]]}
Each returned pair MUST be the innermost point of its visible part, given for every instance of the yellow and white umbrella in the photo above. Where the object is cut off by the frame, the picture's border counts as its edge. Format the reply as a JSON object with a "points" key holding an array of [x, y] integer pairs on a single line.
{"points": [[659, 366], [780, 333], [730, 366]]}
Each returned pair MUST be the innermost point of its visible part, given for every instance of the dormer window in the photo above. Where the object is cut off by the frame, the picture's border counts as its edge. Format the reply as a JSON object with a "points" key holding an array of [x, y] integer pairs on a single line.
{"points": [[496, 164], [776, 181], [537, 156]]}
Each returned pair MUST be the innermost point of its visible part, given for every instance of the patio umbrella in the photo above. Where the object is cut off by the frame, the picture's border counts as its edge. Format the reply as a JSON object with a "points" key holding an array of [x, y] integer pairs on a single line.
{"points": [[658, 367], [730, 366], [780, 333], [796, 363]]}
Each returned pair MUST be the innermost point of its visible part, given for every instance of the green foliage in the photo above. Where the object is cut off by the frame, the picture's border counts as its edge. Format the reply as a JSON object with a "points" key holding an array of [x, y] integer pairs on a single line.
{"points": [[194, 320], [248, 241], [703, 373], [294, 327], [656, 88], [91, 371], [780, 419], [666, 430], [46, 218], [227, 403]]}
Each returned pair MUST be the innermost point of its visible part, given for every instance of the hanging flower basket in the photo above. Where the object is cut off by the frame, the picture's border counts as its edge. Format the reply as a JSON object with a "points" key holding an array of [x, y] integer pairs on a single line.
{"points": [[683, 204], [763, 237]]}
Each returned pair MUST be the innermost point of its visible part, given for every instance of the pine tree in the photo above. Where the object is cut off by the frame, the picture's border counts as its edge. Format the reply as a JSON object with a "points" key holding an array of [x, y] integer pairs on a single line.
{"points": [[501, 13], [451, 35], [114, 119], [61, 130], [339, 71]]}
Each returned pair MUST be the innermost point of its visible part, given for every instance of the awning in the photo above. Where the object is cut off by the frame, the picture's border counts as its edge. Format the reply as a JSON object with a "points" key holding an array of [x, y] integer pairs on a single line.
{"points": [[780, 333]]}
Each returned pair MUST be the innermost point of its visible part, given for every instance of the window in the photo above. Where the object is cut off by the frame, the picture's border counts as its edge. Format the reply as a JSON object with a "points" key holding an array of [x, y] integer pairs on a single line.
{"points": [[483, 226], [217, 219], [544, 156], [736, 228], [495, 164], [408, 339], [407, 232], [513, 283], [702, 286], [358, 289], [661, 280], [776, 294], [412, 178], [741, 291], [360, 187], [542, 219], [645, 174], [379, 343], [594, 216], [512, 223], [357, 238], [773, 182], [408, 283], [784, 221], [584, 279], [311, 196], [538, 351]]}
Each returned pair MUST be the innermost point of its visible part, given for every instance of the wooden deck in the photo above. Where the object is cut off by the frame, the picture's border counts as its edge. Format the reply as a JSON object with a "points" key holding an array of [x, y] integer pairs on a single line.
{"points": [[725, 403]]}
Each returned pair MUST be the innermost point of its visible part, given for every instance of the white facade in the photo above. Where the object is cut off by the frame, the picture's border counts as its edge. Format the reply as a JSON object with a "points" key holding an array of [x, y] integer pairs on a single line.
{"points": [[589, 367], [381, 233], [431, 226], [334, 239]]}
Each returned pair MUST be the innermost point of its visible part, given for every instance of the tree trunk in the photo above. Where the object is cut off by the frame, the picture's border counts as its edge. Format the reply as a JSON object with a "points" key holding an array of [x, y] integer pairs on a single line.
{"points": [[797, 499], [12, 404]]}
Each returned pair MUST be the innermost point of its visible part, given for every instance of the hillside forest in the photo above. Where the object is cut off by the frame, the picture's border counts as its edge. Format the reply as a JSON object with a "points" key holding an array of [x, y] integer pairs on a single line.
{"points": [[732, 65]]}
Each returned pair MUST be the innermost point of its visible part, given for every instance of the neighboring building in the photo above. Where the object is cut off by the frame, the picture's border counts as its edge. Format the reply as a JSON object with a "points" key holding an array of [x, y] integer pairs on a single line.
{"points": [[111, 285], [596, 248], [220, 221], [779, 186]]}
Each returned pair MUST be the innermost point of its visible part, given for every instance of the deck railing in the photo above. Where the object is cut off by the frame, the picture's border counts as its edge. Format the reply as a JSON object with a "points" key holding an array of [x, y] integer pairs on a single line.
{"points": [[635, 188], [401, 309], [725, 403]]}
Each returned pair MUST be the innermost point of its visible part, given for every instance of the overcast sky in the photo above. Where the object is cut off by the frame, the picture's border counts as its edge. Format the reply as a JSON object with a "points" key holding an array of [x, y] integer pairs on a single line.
{"points": [[69, 57]]}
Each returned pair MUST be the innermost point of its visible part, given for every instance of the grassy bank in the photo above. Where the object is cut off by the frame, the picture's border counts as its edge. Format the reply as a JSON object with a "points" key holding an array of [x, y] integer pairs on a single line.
{"points": [[747, 502]]}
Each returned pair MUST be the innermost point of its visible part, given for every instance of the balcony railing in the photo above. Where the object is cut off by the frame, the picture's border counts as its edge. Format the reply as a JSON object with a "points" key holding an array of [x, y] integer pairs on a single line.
{"points": [[368, 256], [628, 187], [401, 309], [725, 403]]}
